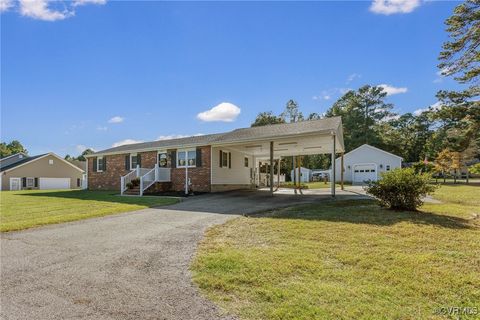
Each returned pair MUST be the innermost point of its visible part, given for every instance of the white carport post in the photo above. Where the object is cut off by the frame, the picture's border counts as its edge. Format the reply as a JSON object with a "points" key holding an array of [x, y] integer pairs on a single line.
{"points": [[332, 176], [271, 168]]}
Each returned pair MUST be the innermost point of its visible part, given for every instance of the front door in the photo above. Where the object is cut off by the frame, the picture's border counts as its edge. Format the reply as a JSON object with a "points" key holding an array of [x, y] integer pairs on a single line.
{"points": [[14, 184]]}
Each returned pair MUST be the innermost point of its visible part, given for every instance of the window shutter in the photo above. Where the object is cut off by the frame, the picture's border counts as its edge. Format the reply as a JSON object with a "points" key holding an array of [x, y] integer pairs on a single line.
{"points": [[199, 157], [127, 162], [24, 182], [104, 163], [221, 158], [36, 183], [229, 160], [94, 164], [139, 160], [173, 158]]}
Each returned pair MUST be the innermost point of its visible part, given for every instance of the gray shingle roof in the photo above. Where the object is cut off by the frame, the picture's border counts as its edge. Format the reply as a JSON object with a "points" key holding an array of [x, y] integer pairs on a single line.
{"points": [[24, 160], [243, 134]]}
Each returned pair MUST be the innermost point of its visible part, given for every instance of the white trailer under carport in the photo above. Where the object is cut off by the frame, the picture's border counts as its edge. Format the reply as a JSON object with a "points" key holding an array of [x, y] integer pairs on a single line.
{"points": [[366, 163]]}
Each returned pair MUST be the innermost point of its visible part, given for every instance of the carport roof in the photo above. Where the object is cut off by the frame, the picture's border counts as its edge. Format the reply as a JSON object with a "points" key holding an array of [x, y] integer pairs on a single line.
{"points": [[275, 131]]}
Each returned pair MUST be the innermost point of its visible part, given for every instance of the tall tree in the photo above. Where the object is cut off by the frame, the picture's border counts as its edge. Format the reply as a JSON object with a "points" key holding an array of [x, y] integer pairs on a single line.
{"points": [[265, 118], [11, 148], [361, 110], [460, 58], [84, 153], [292, 112]]}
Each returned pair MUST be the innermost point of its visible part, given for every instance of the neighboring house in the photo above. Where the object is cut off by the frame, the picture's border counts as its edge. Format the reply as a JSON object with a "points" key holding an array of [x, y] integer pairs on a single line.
{"points": [[366, 163], [305, 174], [45, 171], [210, 163]]}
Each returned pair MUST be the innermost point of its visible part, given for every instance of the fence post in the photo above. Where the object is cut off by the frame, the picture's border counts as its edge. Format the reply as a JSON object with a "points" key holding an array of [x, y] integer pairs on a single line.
{"points": [[141, 186], [156, 172], [138, 171], [122, 185]]}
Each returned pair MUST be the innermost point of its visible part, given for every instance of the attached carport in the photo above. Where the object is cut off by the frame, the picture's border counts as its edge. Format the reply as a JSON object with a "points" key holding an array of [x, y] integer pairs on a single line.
{"points": [[274, 142]]}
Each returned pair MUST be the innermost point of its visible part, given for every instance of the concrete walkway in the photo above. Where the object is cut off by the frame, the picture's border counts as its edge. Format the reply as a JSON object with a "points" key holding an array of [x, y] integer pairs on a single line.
{"points": [[125, 266]]}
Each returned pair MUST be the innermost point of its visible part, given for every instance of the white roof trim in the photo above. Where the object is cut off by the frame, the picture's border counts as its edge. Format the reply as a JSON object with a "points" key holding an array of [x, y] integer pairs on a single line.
{"points": [[371, 147], [45, 155]]}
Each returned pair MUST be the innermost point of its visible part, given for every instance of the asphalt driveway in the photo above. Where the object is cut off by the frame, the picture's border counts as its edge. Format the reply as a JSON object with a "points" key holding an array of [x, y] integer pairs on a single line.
{"points": [[126, 266]]}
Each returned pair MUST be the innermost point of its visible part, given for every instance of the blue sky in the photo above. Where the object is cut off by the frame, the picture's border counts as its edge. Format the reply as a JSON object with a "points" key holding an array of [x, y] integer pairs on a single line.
{"points": [[92, 73]]}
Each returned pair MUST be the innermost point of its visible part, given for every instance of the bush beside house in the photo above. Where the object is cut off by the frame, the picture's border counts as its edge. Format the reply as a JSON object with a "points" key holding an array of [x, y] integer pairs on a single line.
{"points": [[401, 189]]}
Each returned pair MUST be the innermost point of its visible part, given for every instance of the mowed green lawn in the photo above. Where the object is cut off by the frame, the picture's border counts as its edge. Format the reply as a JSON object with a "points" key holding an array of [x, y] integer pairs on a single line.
{"points": [[347, 260], [25, 209]]}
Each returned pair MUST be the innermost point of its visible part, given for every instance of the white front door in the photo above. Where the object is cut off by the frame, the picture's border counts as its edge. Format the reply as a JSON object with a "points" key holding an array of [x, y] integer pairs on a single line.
{"points": [[15, 184], [54, 183], [364, 172]]}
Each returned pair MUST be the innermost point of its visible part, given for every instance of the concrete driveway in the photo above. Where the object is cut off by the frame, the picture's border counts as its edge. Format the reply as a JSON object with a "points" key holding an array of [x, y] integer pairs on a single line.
{"points": [[125, 266]]}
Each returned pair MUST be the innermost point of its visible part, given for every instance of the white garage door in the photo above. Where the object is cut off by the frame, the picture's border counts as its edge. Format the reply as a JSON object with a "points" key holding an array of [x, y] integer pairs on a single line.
{"points": [[364, 172], [54, 183]]}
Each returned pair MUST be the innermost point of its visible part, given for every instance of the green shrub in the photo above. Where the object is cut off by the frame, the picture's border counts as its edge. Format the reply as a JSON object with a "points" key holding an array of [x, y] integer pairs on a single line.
{"points": [[291, 185], [475, 169], [401, 189], [135, 182]]}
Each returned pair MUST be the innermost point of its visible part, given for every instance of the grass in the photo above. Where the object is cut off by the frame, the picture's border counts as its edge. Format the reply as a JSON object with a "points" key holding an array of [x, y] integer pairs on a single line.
{"points": [[25, 209], [346, 260]]}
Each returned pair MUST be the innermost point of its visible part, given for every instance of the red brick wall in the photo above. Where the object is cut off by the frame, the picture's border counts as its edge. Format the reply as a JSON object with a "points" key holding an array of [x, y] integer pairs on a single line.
{"points": [[110, 178], [199, 177]]}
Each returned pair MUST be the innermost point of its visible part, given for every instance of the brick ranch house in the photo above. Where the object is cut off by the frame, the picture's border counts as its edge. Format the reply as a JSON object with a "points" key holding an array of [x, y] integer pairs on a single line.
{"points": [[211, 163]]}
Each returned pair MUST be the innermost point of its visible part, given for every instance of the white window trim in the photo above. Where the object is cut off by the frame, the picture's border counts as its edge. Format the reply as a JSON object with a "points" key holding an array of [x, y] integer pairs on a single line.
{"points": [[131, 162], [99, 159], [225, 156], [50, 161], [33, 182], [186, 158]]}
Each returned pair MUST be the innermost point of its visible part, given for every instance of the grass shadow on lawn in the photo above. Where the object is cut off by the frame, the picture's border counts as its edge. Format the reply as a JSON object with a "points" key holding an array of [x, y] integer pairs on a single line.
{"points": [[366, 212], [104, 196]]}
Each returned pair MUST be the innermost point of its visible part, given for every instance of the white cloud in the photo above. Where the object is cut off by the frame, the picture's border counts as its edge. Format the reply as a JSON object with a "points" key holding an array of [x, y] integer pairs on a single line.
{"points": [[388, 7], [102, 128], [436, 106], [323, 96], [47, 10], [353, 76], [116, 119], [77, 3], [126, 141], [391, 90], [177, 136], [5, 5], [39, 9], [225, 111]]}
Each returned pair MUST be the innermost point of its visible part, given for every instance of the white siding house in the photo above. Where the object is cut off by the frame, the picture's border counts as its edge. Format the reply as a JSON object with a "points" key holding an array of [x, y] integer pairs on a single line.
{"points": [[366, 163], [305, 174]]}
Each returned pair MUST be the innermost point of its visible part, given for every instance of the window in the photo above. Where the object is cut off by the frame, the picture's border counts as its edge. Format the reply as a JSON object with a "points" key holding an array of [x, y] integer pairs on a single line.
{"points": [[224, 159], [246, 162], [99, 164], [30, 182], [162, 160], [50, 161], [186, 158], [388, 167], [356, 170], [362, 170], [373, 170], [133, 161], [78, 182]]}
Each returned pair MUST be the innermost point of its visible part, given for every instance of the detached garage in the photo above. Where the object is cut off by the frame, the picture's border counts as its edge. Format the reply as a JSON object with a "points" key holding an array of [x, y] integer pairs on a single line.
{"points": [[44, 172], [366, 163]]}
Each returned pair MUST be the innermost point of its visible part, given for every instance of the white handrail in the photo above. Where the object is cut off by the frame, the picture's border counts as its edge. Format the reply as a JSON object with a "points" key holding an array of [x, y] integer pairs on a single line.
{"points": [[126, 179], [147, 177], [147, 180]]}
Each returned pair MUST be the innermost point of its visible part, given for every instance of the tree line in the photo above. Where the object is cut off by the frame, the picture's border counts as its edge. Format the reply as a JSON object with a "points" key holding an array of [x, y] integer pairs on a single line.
{"points": [[446, 133]]}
